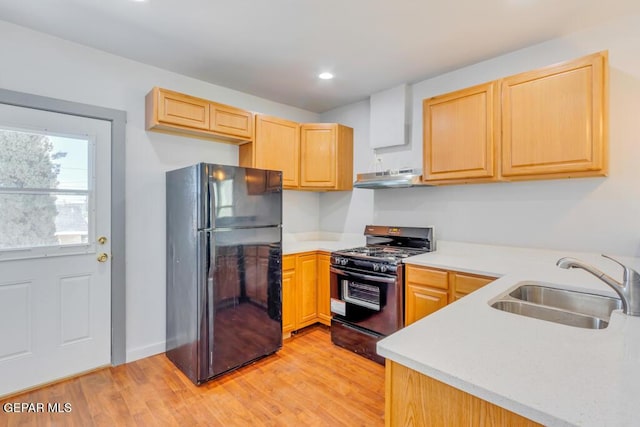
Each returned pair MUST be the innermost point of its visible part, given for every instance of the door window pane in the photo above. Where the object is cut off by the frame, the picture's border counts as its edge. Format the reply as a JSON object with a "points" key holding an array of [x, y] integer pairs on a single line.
{"points": [[45, 189]]}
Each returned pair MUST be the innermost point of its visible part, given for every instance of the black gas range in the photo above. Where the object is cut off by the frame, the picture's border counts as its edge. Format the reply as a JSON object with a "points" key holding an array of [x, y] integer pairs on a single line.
{"points": [[367, 286]]}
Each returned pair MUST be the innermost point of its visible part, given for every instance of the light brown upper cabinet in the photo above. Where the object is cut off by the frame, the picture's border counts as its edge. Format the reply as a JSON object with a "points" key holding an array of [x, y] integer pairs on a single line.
{"points": [[311, 156], [171, 111], [177, 109], [231, 121], [326, 156], [460, 135], [554, 120], [277, 147], [542, 124]]}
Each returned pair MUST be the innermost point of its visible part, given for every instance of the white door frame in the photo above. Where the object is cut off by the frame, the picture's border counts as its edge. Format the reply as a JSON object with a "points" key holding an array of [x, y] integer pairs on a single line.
{"points": [[118, 122]]}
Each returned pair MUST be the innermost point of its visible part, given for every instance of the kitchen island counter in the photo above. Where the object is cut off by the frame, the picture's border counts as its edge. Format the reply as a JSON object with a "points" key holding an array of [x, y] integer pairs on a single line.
{"points": [[553, 374]]}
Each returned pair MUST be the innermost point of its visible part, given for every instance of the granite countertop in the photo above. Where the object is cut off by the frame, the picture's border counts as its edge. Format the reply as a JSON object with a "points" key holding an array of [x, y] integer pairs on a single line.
{"points": [[554, 374]]}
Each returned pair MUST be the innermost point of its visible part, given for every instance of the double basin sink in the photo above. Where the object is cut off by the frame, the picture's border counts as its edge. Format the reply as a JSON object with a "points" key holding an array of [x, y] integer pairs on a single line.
{"points": [[541, 301]]}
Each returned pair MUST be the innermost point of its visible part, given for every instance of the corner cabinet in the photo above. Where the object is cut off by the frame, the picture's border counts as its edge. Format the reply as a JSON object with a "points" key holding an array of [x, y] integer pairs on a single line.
{"points": [[554, 120], [427, 290], [175, 112], [311, 156], [460, 135], [542, 124], [277, 147]]}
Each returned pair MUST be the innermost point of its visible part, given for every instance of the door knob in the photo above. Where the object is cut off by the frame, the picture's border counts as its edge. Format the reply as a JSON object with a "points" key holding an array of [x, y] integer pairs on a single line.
{"points": [[102, 240], [103, 257]]}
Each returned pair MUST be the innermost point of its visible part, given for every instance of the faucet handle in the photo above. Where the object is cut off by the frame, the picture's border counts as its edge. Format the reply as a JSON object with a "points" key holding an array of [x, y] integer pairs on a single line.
{"points": [[629, 275]]}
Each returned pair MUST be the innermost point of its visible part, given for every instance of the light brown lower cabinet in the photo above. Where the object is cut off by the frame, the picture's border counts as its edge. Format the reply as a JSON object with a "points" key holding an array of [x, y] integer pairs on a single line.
{"points": [[414, 399], [305, 290], [306, 293], [288, 295], [429, 289], [324, 288]]}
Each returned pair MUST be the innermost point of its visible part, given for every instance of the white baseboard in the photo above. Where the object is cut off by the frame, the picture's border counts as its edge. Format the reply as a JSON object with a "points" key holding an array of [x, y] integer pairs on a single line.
{"points": [[142, 352]]}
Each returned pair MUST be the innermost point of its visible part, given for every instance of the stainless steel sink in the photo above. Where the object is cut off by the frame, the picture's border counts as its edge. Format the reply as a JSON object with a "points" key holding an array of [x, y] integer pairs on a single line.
{"points": [[550, 314], [577, 302], [580, 309]]}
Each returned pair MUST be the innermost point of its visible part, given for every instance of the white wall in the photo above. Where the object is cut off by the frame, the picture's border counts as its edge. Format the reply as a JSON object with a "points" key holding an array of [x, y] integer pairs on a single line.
{"points": [[350, 211], [39, 64], [301, 211], [593, 214]]}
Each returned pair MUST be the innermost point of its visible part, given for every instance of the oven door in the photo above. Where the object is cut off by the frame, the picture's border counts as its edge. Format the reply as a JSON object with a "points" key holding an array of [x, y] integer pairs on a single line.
{"points": [[372, 301]]}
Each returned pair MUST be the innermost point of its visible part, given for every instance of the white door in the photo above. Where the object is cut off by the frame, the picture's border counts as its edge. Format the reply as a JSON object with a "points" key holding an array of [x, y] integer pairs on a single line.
{"points": [[55, 295]]}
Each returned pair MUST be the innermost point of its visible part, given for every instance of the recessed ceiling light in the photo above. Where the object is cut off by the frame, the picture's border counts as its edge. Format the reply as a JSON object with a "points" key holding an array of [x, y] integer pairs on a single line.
{"points": [[325, 76]]}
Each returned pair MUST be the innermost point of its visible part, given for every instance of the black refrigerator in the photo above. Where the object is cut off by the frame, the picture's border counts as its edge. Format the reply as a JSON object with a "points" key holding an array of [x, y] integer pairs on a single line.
{"points": [[224, 234]]}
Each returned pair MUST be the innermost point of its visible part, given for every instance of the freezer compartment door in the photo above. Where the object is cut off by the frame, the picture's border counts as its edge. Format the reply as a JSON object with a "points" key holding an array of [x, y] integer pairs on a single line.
{"points": [[246, 302], [243, 197]]}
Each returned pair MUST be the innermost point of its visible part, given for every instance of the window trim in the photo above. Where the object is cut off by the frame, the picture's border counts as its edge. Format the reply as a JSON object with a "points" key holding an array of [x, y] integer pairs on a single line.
{"points": [[46, 251]]}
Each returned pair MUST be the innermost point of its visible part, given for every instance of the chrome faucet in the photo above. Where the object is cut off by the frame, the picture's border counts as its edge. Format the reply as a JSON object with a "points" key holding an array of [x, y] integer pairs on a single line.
{"points": [[628, 290]]}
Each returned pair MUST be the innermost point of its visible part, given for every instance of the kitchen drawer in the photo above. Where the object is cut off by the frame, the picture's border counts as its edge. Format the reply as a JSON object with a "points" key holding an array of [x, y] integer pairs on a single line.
{"points": [[427, 277], [288, 262], [465, 284]]}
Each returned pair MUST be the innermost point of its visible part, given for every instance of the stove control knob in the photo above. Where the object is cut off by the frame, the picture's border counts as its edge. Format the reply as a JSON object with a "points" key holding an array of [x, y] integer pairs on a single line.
{"points": [[376, 267], [336, 260], [383, 268], [344, 261]]}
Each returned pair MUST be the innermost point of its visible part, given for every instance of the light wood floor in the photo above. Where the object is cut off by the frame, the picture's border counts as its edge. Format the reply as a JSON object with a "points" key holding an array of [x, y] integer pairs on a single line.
{"points": [[310, 382]]}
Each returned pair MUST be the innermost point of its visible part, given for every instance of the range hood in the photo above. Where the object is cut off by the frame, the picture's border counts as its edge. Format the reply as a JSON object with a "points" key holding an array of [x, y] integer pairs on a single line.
{"points": [[402, 178]]}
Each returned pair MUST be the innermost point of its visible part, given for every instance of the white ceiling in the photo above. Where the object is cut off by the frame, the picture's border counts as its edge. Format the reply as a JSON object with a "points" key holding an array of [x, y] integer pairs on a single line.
{"points": [[275, 48]]}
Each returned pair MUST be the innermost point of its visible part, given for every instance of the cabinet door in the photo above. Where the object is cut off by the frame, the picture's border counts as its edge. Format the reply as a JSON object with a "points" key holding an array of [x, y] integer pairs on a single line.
{"points": [[554, 120], [461, 135], [277, 147], [324, 288], [183, 110], [288, 294], [422, 301], [306, 290], [464, 284], [232, 121], [318, 148]]}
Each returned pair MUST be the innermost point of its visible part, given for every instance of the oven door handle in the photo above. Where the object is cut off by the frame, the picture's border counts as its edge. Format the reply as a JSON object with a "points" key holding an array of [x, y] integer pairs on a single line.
{"points": [[361, 276]]}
